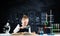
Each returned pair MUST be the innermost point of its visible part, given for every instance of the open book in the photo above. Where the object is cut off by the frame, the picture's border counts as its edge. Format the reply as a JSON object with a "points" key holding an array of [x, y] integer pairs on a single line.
{"points": [[16, 29]]}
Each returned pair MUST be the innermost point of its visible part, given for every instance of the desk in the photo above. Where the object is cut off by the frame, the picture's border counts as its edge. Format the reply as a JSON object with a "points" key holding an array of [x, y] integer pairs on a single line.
{"points": [[3, 34], [23, 34]]}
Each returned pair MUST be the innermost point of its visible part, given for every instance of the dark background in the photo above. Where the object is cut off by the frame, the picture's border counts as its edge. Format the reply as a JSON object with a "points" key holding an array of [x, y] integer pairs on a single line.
{"points": [[13, 7]]}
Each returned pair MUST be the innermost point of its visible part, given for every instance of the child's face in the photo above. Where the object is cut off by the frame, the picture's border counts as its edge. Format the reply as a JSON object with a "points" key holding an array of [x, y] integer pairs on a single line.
{"points": [[25, 21]]}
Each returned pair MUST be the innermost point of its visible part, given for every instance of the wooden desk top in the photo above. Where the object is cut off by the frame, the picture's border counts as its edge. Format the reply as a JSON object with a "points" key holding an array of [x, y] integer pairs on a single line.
{"points": [[24, 34]]}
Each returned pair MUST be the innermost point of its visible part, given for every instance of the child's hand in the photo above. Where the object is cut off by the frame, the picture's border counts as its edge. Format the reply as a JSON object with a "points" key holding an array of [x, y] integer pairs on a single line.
{"points": [[21, 27]]}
